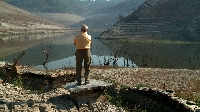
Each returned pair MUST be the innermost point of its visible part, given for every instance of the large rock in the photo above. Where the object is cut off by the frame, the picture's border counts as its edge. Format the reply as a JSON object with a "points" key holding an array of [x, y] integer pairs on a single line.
{"points": [[3, 71], [92, 92]]}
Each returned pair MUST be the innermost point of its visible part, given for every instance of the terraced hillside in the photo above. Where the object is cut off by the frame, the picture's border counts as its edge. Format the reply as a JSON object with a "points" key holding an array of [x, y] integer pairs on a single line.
{"points": [[163, 19], [143, 29]]}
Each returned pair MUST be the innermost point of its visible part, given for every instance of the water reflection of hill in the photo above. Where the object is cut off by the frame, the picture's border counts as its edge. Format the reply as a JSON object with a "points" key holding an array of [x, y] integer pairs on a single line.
{"points": [[16, 43], [61, 47], [158, 55], [167, 55]]}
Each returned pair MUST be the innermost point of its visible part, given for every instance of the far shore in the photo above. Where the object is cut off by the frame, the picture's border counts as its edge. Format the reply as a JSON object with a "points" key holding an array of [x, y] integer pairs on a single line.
{"points": [[5, 32]]}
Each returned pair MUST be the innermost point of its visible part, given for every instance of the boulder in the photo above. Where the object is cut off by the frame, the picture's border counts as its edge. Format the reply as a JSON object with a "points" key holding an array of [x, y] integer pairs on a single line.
{"points": [[3, 71]]}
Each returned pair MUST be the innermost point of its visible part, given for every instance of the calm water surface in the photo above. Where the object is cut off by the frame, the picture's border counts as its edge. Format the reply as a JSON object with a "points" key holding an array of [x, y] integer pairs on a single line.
{"points": [[61, 52]]}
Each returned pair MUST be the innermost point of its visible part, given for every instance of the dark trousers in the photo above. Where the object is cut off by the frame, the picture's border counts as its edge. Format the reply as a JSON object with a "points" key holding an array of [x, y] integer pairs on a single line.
{"points": [[80, 56]]}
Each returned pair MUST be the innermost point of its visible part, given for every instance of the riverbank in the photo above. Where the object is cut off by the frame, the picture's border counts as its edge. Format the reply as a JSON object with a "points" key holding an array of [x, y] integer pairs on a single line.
{"points": [[184, 82], [16, 99]]}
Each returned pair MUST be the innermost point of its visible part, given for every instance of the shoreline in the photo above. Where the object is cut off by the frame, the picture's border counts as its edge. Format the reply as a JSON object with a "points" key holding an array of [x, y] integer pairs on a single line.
{"points": [[175, 79]]}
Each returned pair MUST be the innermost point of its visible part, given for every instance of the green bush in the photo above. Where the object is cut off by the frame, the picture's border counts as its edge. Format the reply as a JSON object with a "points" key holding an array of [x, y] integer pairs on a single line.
{"points": [[18, 81]]}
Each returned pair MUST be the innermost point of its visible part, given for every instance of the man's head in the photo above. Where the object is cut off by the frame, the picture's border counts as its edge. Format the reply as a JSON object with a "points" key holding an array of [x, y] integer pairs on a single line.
{"points": [[84, 28]]}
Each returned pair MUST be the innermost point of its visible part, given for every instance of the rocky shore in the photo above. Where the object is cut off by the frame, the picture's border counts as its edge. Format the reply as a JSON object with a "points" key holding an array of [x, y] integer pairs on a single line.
{"points": [[15, 99], [173, 83], [182, 81]]}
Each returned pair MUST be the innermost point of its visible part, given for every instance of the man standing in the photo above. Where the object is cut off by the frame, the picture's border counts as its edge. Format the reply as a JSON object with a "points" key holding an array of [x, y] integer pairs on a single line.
{"points": [[83, 42]]}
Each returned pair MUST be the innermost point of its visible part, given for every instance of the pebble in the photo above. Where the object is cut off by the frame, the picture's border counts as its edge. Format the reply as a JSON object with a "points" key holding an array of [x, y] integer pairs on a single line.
{"points": [[185, 80], [15, 99]]}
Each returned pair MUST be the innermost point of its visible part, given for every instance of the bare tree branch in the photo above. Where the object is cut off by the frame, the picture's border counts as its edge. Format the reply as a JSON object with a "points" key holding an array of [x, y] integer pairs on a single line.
{"points": [[7, 78], [46, 53]]}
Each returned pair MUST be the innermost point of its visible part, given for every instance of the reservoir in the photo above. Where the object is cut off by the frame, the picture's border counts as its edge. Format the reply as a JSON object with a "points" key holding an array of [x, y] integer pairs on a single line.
{"points": [[117, 53], [60, 49]]}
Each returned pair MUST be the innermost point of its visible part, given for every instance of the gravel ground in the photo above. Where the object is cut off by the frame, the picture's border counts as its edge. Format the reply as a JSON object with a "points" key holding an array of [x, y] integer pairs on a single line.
{"points": [[182, 81], [15, 99]]}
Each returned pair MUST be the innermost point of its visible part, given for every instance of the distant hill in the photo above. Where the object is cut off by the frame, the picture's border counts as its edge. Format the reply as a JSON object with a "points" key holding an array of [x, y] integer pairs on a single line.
{"points": [[75, 11], [13, 19], [169, 9], [42, 5], [81, 8], [108, 15], [62, 18], [160, 19]]}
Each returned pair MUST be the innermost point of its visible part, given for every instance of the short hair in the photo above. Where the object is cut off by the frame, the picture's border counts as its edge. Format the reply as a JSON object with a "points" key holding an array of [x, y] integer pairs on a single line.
{"points": [[84, 28]]}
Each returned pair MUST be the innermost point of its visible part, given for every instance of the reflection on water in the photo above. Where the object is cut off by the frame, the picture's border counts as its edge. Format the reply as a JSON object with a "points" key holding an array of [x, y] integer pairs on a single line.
{"points": [[61, 52], [96, 61], [120, 53], [172, 54]]}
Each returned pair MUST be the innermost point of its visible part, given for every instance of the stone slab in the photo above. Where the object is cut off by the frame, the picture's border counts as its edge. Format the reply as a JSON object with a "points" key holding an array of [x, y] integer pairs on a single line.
{"points": [[73, 87], [88, 93]]}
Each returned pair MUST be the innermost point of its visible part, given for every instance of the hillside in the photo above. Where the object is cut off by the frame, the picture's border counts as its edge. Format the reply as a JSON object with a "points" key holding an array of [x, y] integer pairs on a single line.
{"points": [[169, 10], [109, 14], [127, 6], [28, 29], [42, 5], [74, 11], [81, 8], [13, 20], [163, 19], [65, 19]]}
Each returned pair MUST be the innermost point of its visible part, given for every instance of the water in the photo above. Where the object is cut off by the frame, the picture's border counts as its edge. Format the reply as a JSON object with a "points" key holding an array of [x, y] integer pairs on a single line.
{"points": [[61, 52], [96, 61], [172, 55]]}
